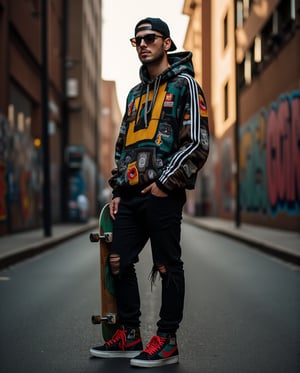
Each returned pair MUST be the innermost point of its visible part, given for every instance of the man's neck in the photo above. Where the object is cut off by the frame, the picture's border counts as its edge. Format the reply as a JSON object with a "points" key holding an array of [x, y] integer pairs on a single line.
{"points": [[154, 70]]}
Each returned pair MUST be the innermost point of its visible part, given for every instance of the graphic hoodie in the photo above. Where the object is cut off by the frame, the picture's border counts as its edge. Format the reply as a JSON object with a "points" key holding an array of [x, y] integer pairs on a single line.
{"points": [[164, 134]]}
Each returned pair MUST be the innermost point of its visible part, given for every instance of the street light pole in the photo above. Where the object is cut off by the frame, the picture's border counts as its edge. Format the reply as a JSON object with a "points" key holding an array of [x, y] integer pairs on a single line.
{"points": [[236, 127], [65, 117], [45, 135]]}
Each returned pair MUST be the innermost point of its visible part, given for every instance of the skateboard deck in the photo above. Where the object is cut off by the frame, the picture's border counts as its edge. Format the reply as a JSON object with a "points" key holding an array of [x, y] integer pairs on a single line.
{"points": [[108, 316]]}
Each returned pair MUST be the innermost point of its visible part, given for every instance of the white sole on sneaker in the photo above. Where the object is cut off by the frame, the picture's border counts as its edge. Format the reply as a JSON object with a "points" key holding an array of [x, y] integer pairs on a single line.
{"points": [[154, 363], [114, 354]]}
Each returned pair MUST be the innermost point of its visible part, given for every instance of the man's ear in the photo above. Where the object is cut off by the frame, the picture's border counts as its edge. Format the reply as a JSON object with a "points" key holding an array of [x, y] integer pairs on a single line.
{"points": [[167, 44]]}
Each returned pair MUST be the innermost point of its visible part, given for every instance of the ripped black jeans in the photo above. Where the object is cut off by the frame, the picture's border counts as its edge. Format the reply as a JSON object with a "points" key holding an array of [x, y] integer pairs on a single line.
{"points": [[141, 218]]}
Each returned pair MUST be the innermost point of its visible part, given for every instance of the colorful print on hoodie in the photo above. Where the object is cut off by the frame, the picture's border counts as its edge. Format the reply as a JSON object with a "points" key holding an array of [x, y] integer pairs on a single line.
{"points": [[164, 134]]}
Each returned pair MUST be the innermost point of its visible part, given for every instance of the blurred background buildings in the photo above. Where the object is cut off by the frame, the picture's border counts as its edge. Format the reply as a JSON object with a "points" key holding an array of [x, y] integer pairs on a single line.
{"points": [[247, 59]]}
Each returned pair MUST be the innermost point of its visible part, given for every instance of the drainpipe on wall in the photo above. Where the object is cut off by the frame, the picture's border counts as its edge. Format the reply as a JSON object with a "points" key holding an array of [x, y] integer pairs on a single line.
{"points": [[65, 117], [236, 127], [45, 135]]}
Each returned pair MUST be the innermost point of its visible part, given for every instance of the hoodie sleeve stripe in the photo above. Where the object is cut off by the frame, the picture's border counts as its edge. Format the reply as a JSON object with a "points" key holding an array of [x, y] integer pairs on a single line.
{"points": [[181, 156]]}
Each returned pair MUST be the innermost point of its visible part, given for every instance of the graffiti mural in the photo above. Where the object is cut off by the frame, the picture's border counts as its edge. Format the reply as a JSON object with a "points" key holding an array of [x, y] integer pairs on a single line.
{"points": [[253, 174], [270, 159], [283, 154], [20, 179], [3, 169], [3, 211]]}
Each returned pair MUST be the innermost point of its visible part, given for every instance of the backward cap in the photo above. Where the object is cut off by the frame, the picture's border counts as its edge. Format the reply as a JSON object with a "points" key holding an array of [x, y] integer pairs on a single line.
{"points": [[156, 25]]}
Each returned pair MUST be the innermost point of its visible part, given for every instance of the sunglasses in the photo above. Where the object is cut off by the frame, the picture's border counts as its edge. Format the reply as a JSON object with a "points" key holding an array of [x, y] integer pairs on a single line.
{"points": [[148, 39]]}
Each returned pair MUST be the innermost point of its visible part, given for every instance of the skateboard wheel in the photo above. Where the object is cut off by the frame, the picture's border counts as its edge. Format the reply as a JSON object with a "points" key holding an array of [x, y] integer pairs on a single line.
{"points": [[94, 237]]}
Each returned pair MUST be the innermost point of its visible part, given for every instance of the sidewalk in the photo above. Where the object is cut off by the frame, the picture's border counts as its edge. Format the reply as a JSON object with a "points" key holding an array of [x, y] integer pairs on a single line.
{"points": [[279, 243], [18, 246]]}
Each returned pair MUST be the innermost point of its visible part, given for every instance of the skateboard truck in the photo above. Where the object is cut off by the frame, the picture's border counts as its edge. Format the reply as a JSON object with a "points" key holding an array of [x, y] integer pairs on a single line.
{"points": [[109, 318], [96, 237]]}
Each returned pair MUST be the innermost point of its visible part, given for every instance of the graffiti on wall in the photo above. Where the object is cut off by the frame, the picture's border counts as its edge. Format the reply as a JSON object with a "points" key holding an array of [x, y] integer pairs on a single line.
{"points": [[3, 211], [3, 156], [270, 158], [20, 179]]}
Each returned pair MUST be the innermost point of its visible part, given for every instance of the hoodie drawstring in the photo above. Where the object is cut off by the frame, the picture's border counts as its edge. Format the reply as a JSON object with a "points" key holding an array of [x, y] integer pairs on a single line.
{"points": [[147, 110]]}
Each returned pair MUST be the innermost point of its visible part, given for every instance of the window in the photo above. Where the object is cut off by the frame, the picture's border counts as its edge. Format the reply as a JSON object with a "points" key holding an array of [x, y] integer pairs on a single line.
{"points": [[286, 16], [226, 102], [240, 74], [267, 41], [245, 70], [257, 55], [248, 67], [257, 49], [246, 8], [239, 15], [278, 30], [20, 109], [225, 31]]}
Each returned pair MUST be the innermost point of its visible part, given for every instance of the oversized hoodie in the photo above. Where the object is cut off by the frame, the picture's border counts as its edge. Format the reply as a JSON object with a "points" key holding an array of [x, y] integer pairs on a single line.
{"points": [[164, 134]]}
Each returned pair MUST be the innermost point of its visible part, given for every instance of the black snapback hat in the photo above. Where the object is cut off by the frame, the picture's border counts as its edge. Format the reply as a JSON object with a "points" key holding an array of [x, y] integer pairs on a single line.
{"points": [[156, 24]]}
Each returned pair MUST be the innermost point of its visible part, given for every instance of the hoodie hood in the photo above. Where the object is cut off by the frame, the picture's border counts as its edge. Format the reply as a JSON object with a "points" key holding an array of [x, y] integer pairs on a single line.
{"points": [[179, 62]]}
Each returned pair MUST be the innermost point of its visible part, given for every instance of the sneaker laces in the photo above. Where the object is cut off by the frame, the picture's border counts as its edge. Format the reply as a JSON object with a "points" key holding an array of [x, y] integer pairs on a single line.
{"points": [[120, 335], [155, 344]]}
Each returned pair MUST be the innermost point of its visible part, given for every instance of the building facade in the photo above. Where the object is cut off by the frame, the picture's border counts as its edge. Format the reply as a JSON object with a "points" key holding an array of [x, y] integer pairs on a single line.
{"points": [[252, 87], [83, 88], [73, 60], [20, 112]]}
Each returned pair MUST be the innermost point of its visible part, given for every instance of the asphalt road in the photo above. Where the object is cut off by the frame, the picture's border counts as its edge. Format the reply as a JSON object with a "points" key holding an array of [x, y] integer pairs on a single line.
{"points": [[241, 312]]}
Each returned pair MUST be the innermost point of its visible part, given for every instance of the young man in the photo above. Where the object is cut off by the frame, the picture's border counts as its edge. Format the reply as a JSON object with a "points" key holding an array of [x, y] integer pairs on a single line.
{"points": [[162, 144]]}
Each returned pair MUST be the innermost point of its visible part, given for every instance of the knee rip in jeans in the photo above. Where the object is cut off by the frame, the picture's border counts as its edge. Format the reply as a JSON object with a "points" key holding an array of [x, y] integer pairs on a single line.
{"points": [[161, 268], [114, 262], [158, 268], [167, 274]]}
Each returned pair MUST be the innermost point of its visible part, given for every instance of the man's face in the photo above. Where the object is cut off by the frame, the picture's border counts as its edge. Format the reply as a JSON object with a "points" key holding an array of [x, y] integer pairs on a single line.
{"points": [[150, 46]]}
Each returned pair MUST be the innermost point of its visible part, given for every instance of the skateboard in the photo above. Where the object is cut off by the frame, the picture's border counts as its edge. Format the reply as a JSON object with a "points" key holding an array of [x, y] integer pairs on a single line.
{"points": [[108, 317]]}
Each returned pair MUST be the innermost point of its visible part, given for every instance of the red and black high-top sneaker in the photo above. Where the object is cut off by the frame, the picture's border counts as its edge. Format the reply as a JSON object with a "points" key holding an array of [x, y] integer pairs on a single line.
{"points": [[161, 350], [124, 343]]}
